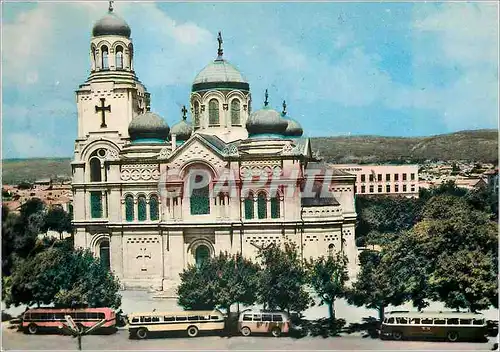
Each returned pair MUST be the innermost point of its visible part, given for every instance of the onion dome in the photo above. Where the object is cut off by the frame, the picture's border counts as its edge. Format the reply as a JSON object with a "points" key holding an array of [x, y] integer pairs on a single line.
{"points": [[294, 129], [111, 24], [148, 127], [182, 129], [219, 74], [266, 122]]}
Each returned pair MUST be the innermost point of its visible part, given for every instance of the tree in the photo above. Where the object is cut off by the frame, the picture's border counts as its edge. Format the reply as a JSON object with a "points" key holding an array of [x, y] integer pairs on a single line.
{"points": [[282, 279], [465, 279], [328, 277], [376, 285], [57, 219], [219, 282], [64, 278], [31, 206]]}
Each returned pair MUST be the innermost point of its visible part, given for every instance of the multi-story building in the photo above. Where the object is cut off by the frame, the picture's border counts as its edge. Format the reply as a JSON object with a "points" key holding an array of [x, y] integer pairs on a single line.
{"points": [[393, 180]]}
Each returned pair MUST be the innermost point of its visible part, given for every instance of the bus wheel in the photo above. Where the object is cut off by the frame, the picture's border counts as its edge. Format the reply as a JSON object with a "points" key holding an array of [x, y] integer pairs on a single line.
{"points": [[452, 336], [245, 331], [32, 328], [276, 332], [397, 335], [192, 331], [142, 333]]}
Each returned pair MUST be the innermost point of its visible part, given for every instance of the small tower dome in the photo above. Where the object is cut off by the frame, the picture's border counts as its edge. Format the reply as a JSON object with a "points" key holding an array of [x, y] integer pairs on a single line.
{"points": [[294, 129], [266, 121], [111, 24], [183, 129], [148, 127]]}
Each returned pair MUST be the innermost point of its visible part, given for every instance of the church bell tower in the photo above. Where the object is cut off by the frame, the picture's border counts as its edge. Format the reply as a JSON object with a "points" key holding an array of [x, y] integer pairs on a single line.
{"points": [[112, 94]]}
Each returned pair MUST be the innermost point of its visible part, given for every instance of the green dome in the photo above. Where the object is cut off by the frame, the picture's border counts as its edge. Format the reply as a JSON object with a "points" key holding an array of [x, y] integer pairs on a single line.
{"points": [[148, 127], [266, 121], [182, 130], [111, 24]]}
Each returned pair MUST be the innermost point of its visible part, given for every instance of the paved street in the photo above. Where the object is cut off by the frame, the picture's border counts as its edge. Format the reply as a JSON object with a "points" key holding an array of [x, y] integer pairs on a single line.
{"points": [[13, 340]]}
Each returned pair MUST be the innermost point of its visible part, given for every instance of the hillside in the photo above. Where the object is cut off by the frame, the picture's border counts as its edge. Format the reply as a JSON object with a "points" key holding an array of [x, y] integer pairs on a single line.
{"points": [[479, 145]]}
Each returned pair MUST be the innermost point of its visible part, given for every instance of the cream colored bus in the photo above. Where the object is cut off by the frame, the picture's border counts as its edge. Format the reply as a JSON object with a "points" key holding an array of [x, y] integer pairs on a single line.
{"points": [[142, 324]]}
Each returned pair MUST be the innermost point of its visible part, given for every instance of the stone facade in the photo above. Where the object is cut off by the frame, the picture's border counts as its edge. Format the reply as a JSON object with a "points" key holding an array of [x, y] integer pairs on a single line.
{"points": [[133, 204]]}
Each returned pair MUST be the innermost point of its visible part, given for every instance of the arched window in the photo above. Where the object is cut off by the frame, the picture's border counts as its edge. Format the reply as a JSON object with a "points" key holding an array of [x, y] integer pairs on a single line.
{"points": [[202, 253], [235, 112], [199, 200], [130, 55], [248, 204], [275, 207], [104, 57], [94, 60], [213, 112], [119, 58], [129, 208], [141, 208], [331, 249], [104, 254], [95, 170], [153, 208], [262, 205], [196, 114]]}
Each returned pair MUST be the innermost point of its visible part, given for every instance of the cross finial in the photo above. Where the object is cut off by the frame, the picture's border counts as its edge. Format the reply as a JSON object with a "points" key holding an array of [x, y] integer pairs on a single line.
{"points": [[266, 95], [219, 51], [284, 108], [184, 112], [110, 8]]}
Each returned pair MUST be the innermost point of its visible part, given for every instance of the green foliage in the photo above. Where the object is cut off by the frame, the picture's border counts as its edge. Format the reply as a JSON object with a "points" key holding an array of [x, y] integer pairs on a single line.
{"points": [[64, 278], [376, 285], [57, 219], [465, 279], [328, 277], [282, 279], [219, 282]]}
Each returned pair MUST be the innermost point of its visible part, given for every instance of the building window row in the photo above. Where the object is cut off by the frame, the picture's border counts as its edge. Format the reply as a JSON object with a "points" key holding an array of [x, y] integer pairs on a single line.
{"points": [[214, 112], [380, 189], [141, 205], [378, 177], [261, 206]]}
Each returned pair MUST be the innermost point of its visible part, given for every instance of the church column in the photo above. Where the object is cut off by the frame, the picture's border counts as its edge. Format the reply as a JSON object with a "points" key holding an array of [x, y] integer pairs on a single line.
{"points": [[148, 215], [136, 209], [86, 197], [268, 207], [255, 207]]}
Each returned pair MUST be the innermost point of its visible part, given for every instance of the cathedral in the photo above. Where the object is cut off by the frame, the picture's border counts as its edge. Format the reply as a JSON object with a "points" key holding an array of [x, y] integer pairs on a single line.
{"points": [[152, 199]]}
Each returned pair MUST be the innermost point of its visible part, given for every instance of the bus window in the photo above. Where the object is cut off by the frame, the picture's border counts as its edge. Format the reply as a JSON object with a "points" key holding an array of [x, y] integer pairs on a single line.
{"points": [[257, 317], [427, 321], [155, 319], [165, 318], [439, 321], [214, 317], [81, 316], [58, 316], [415, 321], [192, 317], [135, 320], [267, 317], [390, 321], [180, 318], [478, 322], [201, 317], [277, 317], [401, 320], [247, 317], [465, 321], [101, 316]]}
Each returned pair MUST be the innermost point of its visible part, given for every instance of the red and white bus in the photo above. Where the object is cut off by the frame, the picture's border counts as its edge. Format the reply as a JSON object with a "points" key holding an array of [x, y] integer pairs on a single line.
{"points": [[38, 319]]}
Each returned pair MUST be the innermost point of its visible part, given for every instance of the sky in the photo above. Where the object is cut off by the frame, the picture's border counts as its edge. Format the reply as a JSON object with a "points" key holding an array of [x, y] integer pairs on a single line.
{"points": [[357, 68]]}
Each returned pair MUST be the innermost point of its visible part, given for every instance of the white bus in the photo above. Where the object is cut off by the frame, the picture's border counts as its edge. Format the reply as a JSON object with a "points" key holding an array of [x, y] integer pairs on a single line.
{"points": [[142, 324]]}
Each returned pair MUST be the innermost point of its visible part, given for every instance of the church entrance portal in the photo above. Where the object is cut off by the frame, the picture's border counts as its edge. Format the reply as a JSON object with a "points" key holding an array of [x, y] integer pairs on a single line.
{"points": [[201, 254], [104, 254]]}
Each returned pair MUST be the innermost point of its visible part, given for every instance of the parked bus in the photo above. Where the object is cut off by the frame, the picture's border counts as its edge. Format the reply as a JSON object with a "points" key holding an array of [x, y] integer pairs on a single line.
{"points": [[452, 326], [38, 319], [142, 324], [274, 322]]}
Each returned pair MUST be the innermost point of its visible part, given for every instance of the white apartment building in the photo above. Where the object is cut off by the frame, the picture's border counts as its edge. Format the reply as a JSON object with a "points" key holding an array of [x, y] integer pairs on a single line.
{"points": [[395, 180]]}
